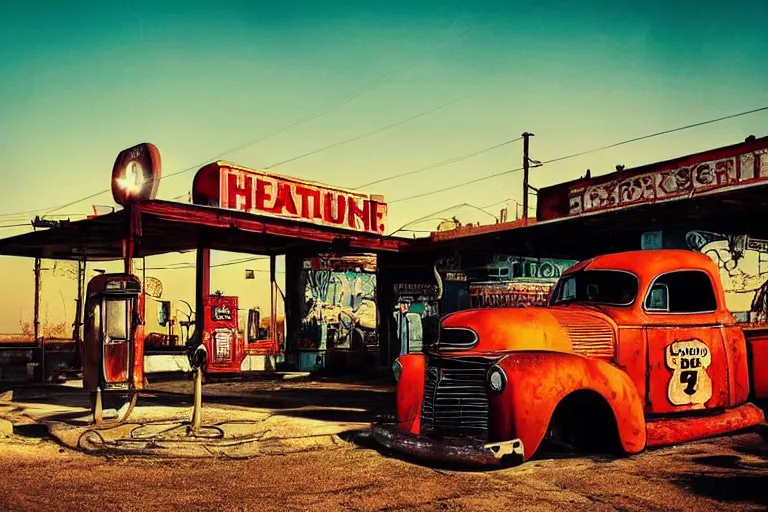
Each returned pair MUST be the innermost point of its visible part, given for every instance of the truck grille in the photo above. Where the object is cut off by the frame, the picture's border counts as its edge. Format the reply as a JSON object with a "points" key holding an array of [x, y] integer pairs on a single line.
{"points": [[456, 397]]}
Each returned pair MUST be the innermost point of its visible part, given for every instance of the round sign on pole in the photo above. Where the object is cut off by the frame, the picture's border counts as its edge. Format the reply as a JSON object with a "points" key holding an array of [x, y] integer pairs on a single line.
{"points": [[153, 287], [136, 174]]}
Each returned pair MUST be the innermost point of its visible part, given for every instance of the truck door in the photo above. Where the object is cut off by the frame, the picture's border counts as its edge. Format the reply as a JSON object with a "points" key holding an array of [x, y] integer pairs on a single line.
{"points": [[687, 357]]}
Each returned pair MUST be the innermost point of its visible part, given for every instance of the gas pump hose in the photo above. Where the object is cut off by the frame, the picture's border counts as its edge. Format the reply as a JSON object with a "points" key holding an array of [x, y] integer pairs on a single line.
{"points": [[193, 431]]}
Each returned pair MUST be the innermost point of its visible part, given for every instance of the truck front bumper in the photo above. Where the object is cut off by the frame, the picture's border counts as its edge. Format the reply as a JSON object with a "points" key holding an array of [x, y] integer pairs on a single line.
{"points": [[449, 450]]}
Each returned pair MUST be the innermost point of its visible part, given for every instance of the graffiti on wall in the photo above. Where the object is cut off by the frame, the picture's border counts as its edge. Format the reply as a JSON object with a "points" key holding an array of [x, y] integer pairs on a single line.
{"points": [[339, 305], [509, 295], [743, 264], [667, 184]]}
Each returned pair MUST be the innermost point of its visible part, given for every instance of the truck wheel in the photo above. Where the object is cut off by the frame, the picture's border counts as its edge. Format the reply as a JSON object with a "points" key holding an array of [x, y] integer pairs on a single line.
{"points": [[584, 422]]}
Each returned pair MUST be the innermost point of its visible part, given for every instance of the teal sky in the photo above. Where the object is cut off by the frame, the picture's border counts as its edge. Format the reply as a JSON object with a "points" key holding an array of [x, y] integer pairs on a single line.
{"points": [[82, 80]]}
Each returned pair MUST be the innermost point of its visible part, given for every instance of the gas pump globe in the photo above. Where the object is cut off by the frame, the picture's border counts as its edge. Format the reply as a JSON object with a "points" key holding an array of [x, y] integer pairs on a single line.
{"points": [[113, 362]]}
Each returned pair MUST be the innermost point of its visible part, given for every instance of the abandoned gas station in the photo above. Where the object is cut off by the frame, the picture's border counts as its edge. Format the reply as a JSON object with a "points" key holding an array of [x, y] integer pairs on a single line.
{"points": [[355, 299]]}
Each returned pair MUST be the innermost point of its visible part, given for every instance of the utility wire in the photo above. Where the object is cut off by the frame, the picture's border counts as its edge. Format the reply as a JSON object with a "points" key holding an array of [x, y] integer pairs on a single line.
{"points": [[657, 134], [181, 265], [429, 216], [574, 155], [379, 130], [458, 185], [321, 112], [439, 164]]}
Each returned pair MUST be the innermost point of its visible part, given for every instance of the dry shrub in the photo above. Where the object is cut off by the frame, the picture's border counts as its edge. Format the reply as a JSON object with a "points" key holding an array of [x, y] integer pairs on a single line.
{"points": [[57, 330], [27, 329]]}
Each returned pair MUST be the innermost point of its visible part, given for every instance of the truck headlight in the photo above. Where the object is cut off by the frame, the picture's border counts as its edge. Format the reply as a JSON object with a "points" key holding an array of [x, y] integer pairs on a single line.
{"points": [[496, 380], [397, 369]]}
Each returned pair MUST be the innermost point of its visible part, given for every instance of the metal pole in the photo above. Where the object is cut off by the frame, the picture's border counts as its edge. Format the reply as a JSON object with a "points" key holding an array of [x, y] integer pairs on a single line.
{"points": [[526, 136], [76, 338], [197, 408], [39, 339], [273, 297]]}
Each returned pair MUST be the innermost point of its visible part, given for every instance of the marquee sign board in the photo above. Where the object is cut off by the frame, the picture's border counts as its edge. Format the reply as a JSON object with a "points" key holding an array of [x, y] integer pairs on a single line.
{"points": [[728, 168], [259, 192]]}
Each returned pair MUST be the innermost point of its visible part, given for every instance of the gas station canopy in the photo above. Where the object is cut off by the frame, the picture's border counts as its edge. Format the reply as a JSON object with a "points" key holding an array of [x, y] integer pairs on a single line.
{"points": [[161, 227]]}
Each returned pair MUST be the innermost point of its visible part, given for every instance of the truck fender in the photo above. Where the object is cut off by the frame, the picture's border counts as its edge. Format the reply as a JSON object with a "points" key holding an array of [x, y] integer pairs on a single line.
{"points": [[410, 392], [538, 381]]}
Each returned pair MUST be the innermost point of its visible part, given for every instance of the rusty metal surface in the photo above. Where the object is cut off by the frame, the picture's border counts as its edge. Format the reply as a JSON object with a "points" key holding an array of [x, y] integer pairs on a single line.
{"points": [[447, 450], [671, 431]]}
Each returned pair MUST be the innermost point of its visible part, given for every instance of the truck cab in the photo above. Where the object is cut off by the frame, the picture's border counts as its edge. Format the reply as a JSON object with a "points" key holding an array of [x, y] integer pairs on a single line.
{"points": [[634, 349]]}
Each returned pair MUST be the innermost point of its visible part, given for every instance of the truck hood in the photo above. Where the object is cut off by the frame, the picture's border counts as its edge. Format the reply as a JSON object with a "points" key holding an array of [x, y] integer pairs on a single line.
{"points": [[574, 328]]}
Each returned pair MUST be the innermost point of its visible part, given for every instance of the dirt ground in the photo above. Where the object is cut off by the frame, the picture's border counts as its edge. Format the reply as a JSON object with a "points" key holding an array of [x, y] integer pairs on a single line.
{"points": [[729, 473]]}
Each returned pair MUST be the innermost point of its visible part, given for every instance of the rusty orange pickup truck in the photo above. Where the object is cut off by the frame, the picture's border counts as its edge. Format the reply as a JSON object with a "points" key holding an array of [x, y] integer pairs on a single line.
{"points": [[635, 350]]}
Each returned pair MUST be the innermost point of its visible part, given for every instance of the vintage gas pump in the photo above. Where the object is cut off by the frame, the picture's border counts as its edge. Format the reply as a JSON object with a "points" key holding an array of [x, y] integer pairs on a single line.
{"points": [[113, 345], [224, 348]]}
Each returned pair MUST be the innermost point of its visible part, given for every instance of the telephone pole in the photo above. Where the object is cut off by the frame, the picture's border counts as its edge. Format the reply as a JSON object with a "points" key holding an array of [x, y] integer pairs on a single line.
{"points": [[36, 321], [39, 339], [526, 186]]}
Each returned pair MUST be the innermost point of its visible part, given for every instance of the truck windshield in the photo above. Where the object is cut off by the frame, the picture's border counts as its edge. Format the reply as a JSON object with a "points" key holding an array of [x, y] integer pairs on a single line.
{"points": [[610, 287]]}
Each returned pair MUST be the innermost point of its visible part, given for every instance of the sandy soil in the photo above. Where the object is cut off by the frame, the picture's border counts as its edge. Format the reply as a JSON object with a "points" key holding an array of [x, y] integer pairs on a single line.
{"points": [[729, 473]]}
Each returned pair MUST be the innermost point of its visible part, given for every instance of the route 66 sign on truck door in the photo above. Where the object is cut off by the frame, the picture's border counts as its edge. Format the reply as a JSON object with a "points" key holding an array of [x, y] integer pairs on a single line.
{"points": [[690, 383]]}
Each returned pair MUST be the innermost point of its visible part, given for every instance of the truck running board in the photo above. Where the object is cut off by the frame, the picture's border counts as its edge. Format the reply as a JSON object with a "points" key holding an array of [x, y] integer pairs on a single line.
{"points": [[665, 432]]}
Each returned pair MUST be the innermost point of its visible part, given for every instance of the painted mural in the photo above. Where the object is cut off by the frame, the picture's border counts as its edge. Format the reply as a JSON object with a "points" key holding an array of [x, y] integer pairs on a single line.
{"points": [[339, 303], [513, 281], [743, 264]]}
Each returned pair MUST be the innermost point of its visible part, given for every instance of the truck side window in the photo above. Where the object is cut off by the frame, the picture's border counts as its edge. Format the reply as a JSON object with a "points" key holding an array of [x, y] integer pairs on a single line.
{"points": [[683, 291], [658, 298]]}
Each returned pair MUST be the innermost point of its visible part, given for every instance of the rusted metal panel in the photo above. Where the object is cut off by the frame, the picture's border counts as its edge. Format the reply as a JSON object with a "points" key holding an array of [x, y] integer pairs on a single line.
{"points": [[758, 364], [665, 432], [590, 335]]}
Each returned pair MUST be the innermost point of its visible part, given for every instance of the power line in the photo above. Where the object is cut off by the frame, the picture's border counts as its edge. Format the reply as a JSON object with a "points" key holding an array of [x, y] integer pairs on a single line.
{"points": [[28, 224], [504, 201], [379, 130], [238, 261], [429, 216], [440, 164], [657, 134], [319, 113], [458, 185], [574, 155]]}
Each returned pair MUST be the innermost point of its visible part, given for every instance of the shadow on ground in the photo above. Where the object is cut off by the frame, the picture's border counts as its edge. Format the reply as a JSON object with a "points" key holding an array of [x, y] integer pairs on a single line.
{"points": [[310, 400], [745, 478], [729, 487]]}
